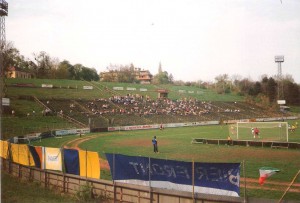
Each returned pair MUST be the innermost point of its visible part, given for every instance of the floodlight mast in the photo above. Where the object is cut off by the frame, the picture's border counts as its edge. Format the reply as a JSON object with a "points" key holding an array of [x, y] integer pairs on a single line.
{"points": [[279, 60], [3, 13]]}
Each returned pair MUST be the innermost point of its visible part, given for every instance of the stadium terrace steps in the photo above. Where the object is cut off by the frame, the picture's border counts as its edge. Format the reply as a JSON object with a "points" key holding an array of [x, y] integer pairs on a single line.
{"points": [[107, 112]]}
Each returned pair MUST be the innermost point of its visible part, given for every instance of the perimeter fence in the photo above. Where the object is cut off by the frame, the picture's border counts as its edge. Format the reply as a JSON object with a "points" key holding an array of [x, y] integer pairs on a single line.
{"points": [[113, 191]]}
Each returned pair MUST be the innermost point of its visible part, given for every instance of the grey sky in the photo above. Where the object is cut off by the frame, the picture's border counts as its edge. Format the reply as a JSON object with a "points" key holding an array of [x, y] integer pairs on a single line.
{"points": [[193, 39]]}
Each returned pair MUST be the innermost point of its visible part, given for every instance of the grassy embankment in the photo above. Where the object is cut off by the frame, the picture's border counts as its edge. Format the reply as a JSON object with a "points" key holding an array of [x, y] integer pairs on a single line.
{"points": [[173, 143]]}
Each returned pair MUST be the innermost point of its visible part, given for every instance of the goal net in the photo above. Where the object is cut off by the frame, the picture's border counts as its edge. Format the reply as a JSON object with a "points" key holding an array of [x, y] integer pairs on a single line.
{"points": [[263, 131]]}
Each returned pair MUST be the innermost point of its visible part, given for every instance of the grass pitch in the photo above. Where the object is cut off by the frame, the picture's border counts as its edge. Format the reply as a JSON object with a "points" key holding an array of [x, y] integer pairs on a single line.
{"points": [[175, 144]]}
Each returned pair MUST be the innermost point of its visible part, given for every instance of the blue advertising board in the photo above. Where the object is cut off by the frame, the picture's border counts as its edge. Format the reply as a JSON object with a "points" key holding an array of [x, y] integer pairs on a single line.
{"points": [[210, 178]]}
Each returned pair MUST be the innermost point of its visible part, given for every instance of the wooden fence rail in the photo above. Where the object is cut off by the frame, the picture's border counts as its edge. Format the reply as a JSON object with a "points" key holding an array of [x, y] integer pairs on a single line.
{"points": [[117, 192]]}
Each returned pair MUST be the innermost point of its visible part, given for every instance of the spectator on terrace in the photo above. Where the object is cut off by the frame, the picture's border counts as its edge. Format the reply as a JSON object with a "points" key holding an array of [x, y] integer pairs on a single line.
{"points": [[46, 112]]}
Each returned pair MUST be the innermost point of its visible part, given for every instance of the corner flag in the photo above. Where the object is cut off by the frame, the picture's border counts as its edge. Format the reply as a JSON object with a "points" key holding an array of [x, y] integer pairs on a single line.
{"points": [[266, 172]]}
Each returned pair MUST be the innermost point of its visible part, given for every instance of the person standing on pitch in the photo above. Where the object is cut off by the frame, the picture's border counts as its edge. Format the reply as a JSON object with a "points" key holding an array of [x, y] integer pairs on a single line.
{"points": [[154, 143], [229, 140], [256, 133]]}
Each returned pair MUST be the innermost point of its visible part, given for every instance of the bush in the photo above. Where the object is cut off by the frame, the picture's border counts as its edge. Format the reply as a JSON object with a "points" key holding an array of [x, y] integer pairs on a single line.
{"points": [[85, 194]]}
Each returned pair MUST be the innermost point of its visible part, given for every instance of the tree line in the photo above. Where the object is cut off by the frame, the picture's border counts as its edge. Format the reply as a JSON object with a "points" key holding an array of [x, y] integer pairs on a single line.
{"points": [[44, 66], [267, 90]]}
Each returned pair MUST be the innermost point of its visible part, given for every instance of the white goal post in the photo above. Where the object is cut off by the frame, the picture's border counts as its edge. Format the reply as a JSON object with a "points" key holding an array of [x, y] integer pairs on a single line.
{"points": [[267, 131]]}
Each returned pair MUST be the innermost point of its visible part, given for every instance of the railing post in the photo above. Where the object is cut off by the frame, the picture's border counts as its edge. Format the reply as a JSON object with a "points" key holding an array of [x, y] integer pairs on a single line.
{"points": [[150, 189], [114, 183], [30, 175], [9, 166], [245, 183], [45, 178], [64, 183], [19, 171]]}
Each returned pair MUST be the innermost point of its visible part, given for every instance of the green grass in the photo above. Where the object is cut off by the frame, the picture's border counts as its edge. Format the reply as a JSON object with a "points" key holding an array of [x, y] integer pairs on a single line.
{"points": [[64, 89], [53, 93], [71, 89], [20, 124], [268, 131], [295, 109], [175, 144], [15, 190], [23, 125], [54, 82], [200, 94]]}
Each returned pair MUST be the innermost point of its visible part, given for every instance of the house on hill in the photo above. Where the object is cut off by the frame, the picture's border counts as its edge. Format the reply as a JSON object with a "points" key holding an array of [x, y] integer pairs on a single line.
{"points": [[15, 72], [143, 76]]}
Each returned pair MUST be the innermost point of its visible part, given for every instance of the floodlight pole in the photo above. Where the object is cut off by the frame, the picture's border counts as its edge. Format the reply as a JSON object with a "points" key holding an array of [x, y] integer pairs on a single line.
{"points": [[279, 60], [3, 13], [280, 89]]}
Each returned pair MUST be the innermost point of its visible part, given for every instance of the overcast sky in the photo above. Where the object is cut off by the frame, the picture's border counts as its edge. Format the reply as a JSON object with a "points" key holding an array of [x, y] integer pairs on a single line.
{"points": [[193, 39]]}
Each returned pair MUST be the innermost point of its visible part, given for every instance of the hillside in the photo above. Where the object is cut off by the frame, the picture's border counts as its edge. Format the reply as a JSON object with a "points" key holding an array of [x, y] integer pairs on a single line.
{"points": [[71, 103], [70, 89]]}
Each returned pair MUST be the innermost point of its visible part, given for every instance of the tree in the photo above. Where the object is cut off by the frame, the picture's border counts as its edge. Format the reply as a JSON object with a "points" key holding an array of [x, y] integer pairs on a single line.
{"points": [[7, 55], [11, 55], [236, 78], [108, 77], [171, 78], [54, 67], [291, 93], [119, 73], [244, 86], [89, 74], [64, 70], [271, 89], [126, 74], [255, 90], [44, 65], [264, 83], [222, 83], [161, 78], [77, 71]]}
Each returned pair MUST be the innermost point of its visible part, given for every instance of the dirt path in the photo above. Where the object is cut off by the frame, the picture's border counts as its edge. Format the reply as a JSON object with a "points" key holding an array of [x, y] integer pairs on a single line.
{"points": [[269, 185], [251, 183]]}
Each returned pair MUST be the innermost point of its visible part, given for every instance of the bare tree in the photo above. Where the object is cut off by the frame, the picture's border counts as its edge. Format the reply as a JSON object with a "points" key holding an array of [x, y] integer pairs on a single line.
{"points": [[43, 65]]}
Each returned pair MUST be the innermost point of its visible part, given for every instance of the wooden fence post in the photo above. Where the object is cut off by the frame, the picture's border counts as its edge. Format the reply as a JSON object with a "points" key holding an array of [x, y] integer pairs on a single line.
{"points": [[64, 182]]}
